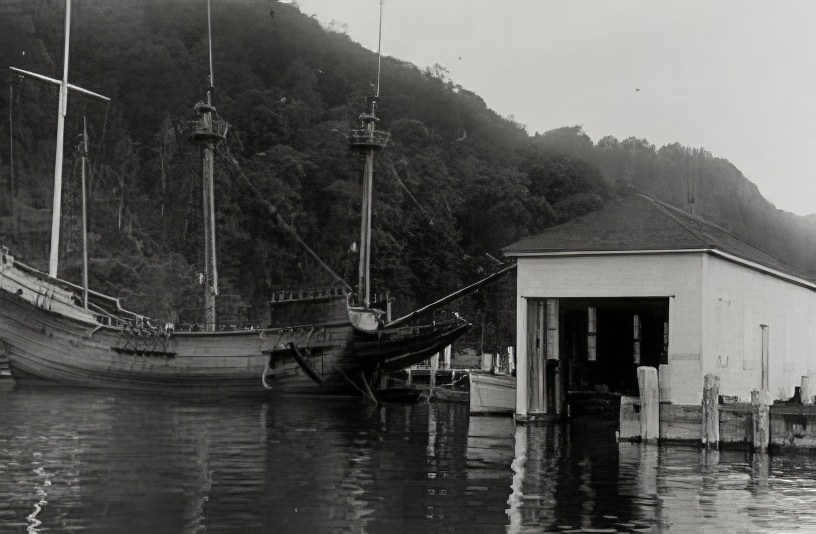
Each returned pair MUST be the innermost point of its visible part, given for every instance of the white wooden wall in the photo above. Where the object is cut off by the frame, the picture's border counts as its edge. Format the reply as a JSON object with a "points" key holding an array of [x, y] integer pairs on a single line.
{"points": [[736, 302]]}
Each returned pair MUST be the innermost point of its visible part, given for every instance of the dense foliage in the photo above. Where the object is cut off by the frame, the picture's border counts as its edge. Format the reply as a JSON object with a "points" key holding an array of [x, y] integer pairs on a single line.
{"points": [[456, 183]]}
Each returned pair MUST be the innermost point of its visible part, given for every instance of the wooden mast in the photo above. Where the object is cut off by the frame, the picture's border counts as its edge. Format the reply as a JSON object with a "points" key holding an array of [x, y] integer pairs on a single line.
{"points": [[84, 151], [53, 262], [63, 110], [208, 132], [367, 140], [12, 194], [364, 269]]}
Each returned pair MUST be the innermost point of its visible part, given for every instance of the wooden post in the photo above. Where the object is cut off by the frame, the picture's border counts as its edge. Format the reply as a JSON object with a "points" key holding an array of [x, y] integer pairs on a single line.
{"points": [[805, 391], [664, 382], [649, 404], [534, 369], [761, 433], [636, 338], [553, 355], [592, 332], [552, 329], [541, 361], [711, 411], [765, 357], [558, 394], [530, 370], [486, 363]]}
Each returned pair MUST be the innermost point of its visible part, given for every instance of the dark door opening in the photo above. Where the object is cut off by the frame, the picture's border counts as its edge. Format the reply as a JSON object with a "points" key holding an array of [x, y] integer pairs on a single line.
{"points": [[604, 340]]}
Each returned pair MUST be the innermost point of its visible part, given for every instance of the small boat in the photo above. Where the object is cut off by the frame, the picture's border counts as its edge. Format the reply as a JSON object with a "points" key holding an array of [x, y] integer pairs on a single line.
{"points": [[325, 340], [492, 393]]}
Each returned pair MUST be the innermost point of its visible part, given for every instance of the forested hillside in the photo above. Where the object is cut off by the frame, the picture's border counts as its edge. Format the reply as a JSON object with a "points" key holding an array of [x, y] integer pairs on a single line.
{"points": [[456, 183]]}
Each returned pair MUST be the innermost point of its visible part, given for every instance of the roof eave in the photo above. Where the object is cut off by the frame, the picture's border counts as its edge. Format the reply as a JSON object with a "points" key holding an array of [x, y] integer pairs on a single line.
{"points": [[793, 279], [538, 253], [642, 252]]}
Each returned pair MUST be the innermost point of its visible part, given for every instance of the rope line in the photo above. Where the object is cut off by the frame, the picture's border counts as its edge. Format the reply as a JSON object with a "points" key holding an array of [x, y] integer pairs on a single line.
{"points": [[104, 126], [431, 219], [273, 210], [379, 48]]}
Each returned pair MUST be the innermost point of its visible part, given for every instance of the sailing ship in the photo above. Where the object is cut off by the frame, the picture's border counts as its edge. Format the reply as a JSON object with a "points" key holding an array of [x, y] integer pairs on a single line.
{"points": [[330, 340]]}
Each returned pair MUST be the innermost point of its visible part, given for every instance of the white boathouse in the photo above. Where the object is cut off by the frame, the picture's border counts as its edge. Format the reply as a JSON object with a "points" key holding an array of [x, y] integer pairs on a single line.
{"points": [[642, 283]]}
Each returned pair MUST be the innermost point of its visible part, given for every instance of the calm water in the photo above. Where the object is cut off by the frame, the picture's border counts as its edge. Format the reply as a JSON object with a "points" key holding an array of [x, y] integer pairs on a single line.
{"points": [[106, 461]]}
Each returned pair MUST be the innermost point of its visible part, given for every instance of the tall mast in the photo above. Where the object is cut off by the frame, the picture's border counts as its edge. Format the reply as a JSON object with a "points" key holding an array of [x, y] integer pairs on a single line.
{"points": [[11, 150], [84, 152], [209, 130], [53, 262], [63, 110], [367, 140]]}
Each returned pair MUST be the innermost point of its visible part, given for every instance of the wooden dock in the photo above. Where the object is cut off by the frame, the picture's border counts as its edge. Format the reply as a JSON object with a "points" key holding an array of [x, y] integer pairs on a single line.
{"points": [[720, 422]]}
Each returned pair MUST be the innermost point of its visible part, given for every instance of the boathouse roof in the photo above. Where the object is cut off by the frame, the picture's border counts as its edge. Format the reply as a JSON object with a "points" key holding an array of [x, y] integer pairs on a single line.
{"points": [[639, 223]]}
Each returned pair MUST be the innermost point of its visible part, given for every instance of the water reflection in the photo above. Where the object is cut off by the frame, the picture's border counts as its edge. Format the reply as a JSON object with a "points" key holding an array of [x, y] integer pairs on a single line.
{"points": [[574, 478], [98, 461], [90, 461]]}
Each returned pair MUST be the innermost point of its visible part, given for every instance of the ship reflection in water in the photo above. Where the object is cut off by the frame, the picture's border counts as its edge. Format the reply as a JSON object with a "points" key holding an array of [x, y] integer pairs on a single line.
{"points": [[108, 461]]}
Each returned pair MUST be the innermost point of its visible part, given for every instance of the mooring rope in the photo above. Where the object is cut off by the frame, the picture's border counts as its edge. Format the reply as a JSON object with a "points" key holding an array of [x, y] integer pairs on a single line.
{"points": [[273, 210], [431, 219]]}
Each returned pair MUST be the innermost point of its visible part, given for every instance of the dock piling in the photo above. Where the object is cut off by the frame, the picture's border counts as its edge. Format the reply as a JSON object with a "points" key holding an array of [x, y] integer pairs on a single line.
{"points": [[711, 411], [649, 404], [805, 391], [760, 412]]}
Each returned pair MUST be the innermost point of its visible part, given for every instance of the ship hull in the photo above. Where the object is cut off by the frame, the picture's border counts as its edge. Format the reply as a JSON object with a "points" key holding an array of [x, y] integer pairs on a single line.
{"points": [[45, 346], [43, 342]]}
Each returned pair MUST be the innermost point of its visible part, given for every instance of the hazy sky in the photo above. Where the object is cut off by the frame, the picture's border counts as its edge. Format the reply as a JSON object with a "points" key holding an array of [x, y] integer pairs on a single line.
{"points": [[737, 77]]}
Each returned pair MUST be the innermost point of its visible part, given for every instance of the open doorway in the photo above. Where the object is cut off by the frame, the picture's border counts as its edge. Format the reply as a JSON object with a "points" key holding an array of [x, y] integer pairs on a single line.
{"points": [[600, 344]]}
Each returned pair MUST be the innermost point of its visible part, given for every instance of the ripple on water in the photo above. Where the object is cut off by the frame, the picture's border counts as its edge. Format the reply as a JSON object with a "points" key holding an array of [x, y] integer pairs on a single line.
{"points": [[101, 461]]}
